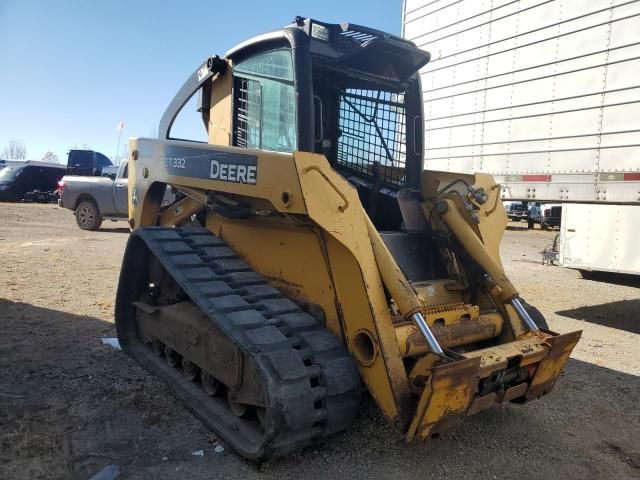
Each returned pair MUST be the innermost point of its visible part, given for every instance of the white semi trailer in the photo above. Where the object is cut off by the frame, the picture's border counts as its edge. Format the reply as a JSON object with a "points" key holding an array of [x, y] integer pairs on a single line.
{"points": [[545, 95]]}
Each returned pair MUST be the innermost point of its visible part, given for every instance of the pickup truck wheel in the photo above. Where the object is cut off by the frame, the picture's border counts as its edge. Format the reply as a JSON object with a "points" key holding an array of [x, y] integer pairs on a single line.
{"points": [[87, 216]]}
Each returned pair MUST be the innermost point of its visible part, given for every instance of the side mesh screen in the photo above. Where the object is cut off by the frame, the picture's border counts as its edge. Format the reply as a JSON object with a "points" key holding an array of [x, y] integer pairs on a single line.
{"points": [[246, 130], [373, 135]]}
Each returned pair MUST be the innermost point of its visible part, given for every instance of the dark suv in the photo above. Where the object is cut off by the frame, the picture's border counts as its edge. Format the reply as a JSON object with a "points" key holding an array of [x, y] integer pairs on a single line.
{"points": [[86, 162], [19, 179]]}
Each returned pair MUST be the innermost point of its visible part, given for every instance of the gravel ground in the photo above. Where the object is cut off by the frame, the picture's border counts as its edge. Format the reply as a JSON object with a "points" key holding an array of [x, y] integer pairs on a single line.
{"points": [[70, 405]]}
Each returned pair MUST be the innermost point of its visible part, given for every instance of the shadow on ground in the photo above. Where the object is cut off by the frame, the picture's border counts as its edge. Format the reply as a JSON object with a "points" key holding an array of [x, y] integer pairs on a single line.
{"points": [[623, 315], [612, 277], [109, 229], [70, 405]]}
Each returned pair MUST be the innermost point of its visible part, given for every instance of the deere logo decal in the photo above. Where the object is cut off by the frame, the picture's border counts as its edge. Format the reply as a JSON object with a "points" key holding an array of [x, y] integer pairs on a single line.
{"points": [[232, 172], [211, 164]]}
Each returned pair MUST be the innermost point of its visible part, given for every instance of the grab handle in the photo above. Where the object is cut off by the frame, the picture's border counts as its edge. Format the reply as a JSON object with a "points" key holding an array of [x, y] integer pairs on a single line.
{"points": [[345, 201]]}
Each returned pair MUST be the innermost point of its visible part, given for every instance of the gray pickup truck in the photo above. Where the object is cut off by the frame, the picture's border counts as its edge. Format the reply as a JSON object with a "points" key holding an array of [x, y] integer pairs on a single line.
{"points": [[95, 198]]}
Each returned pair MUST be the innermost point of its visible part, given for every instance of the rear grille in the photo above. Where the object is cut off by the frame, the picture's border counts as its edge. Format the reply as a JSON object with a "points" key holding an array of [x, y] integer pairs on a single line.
{"points": [[373, 130]]}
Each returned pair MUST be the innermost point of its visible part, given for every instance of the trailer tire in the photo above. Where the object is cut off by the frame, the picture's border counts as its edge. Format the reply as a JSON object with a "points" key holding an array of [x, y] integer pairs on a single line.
{"points": [[88, 216]]}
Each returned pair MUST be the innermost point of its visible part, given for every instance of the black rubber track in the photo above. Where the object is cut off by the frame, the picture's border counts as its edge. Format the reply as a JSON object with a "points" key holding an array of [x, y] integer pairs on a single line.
{"points": [[311, 382]]}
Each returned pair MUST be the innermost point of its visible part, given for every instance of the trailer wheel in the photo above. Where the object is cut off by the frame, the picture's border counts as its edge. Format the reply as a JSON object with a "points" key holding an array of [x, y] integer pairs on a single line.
{"points": [[88, 216]]}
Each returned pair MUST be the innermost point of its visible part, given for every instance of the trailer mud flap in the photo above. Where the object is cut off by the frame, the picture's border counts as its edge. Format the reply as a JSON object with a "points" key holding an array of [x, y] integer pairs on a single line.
{"points": [[549, 369], [445, 399]]}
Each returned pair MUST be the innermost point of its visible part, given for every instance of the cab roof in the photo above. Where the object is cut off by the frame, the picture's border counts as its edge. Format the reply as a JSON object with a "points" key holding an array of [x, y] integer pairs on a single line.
{"points": [[352, 49]]}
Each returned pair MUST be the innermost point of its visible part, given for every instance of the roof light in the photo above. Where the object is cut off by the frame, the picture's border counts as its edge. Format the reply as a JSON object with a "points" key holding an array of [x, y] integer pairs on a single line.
{"points": [[320, 32]]}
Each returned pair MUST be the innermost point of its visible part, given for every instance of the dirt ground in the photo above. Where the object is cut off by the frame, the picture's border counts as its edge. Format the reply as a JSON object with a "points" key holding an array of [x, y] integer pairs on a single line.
{"points": [[70, 405]]}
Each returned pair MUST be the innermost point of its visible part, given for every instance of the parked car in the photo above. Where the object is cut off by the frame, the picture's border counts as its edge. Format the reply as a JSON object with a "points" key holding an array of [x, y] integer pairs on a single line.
{"points": [[94, 199], [86, 162], [516, 211], [29, 180], [546, 215], [551, 216]]}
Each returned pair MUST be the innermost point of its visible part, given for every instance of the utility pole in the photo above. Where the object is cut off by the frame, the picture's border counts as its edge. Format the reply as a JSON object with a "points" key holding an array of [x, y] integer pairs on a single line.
{"points": [[120, 127]]}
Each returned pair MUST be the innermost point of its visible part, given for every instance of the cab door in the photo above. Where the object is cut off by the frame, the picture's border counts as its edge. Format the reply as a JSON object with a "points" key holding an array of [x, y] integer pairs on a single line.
{"points": [[264, 107]]}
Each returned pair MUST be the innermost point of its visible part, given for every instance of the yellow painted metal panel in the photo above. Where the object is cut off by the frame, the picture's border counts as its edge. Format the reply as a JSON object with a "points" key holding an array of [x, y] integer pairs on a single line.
{"points": [[334, 205]]}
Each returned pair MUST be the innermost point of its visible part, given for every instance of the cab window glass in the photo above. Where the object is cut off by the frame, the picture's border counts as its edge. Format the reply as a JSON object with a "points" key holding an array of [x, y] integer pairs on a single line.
{"points": [[264, 111], [276, 65]]}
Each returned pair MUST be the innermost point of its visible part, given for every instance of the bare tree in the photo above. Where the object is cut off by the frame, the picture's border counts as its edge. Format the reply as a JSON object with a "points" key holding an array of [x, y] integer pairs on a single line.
{"points": [[16, 150], [50, 157]]}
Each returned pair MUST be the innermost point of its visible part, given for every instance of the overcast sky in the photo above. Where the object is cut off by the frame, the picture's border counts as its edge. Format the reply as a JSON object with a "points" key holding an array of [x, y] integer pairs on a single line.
{"points": [[70, 71]]}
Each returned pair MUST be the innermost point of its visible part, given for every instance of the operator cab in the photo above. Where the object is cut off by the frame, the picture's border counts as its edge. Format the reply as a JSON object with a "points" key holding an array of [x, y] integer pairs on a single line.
{"points": [[348, 92]]}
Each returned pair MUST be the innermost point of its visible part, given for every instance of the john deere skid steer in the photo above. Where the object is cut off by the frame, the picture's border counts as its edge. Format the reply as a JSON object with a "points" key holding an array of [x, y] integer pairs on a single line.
{"points": [[308, 257]]}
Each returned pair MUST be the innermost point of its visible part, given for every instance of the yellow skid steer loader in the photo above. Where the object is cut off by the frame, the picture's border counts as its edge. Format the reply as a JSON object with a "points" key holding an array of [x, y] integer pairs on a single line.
{"points": [[308, 256]]}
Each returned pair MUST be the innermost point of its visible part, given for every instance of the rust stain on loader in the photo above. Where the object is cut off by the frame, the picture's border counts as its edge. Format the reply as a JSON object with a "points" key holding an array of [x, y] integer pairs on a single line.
{"points": [[549, 369], [445, 399]]}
